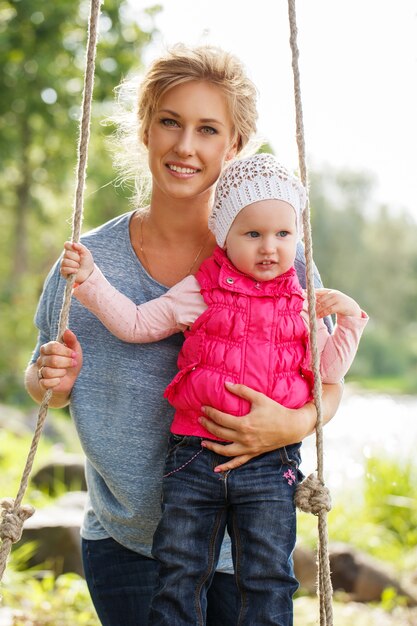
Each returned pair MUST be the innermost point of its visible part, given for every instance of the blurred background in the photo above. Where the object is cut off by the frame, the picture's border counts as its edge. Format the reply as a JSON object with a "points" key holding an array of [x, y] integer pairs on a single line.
{"points": [[358, 67]]}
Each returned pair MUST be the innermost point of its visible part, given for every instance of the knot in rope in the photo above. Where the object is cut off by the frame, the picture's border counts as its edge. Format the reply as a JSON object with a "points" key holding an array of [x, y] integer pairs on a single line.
{"points": [[13, 515], [11, 526], [312, 496]]}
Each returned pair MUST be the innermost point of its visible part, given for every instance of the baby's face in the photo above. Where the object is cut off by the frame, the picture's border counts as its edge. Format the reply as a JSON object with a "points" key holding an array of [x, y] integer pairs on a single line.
{"points": [[262, 240]]}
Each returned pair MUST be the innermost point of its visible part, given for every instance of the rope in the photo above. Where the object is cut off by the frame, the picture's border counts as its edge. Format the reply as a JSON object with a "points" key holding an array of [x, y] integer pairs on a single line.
{"points": [[13, 514], [312, 495]]}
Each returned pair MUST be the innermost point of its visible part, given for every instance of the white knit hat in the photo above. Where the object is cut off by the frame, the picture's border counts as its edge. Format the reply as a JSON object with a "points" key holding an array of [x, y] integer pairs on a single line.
{"points": [[245, 181]]}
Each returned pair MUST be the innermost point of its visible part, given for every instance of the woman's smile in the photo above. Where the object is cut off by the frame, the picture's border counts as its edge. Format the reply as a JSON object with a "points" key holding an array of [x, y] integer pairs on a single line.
{"points": [[182, 170]]}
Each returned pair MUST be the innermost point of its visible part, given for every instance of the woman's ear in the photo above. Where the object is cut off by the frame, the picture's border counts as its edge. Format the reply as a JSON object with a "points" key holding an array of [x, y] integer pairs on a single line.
{"points": [[145, 139], [232, 152]]}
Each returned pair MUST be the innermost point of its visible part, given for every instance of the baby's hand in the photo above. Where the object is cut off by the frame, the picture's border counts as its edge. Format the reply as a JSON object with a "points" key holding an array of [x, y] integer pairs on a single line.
{"points": [[78, 260], [330, 301]]}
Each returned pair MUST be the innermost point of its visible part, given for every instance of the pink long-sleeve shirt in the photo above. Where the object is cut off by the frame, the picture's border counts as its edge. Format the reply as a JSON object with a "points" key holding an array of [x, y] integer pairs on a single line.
{"points": [[179, 307]]}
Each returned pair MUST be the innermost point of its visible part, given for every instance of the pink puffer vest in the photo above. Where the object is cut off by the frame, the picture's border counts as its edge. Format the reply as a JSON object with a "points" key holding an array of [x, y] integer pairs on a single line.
{"points": [[251, 333]]}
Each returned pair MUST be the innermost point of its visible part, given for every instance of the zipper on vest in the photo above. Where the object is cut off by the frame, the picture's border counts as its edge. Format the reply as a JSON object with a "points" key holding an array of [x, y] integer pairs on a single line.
{"points": [[244, 350]]}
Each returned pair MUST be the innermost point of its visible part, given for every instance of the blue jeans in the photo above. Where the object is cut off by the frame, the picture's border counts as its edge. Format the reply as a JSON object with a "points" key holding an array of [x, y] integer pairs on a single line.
{"points": [[121, 584], [256, 504]]}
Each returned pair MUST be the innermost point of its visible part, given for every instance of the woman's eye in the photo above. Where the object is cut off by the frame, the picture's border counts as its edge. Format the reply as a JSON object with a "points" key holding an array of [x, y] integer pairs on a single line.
{"points": [[166, 121], [208, 130]]}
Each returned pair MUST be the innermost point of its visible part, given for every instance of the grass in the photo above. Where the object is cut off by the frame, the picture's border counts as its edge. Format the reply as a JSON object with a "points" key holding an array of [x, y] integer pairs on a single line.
{"points": [[382, 521], [388, 384], [306, 611], [36, 598]]}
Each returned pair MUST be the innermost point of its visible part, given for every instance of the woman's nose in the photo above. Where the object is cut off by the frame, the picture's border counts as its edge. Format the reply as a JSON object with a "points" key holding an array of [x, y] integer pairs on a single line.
{"points": [[185, 145]]}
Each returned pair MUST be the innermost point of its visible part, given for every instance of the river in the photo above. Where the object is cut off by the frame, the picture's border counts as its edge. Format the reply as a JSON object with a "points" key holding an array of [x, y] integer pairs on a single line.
{"points": [[365, 425]]}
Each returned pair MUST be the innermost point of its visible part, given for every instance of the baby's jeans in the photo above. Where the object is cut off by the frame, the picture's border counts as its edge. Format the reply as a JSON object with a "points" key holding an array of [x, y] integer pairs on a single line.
{"points": [[255, 502]]}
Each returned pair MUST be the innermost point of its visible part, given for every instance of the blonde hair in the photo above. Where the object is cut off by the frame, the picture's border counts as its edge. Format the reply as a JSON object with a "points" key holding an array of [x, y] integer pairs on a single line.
{"points": [[181, 64]]}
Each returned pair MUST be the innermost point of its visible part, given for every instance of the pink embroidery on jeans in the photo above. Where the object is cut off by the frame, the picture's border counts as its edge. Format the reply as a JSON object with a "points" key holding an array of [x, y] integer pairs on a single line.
{"points": [[290, 476], [178, 469]]}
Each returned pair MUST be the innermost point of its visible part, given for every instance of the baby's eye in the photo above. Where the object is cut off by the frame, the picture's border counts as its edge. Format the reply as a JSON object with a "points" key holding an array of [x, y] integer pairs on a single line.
{"points": [[283, 233], [208, 130], [253, 234]]}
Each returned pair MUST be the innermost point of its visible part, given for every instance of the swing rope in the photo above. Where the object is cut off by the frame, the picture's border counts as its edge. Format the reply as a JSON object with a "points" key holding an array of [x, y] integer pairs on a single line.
{"points": [[13, 513], [312, 495]]}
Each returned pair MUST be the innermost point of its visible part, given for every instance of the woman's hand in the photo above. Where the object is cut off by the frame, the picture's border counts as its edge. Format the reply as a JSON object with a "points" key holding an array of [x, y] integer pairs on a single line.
{"points": [[268, 425], [56, 368], [60, 363]]}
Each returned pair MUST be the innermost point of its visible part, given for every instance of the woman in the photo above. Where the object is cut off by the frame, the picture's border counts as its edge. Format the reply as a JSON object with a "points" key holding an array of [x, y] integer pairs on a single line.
{"points": [[196, 112]]}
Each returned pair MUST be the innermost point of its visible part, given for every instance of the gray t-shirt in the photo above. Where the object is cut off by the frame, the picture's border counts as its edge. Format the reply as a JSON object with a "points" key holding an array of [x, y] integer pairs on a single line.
{"points": [[117, 402]]}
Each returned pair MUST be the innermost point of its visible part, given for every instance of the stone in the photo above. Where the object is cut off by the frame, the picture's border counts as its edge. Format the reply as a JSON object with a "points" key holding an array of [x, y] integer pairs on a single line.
{"points": [[62, 472], [305, 568], [56, 531], [363, 577]]}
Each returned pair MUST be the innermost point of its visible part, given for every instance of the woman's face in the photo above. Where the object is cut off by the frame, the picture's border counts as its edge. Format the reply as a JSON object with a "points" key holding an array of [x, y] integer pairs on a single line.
{"points": [[189, 139]]}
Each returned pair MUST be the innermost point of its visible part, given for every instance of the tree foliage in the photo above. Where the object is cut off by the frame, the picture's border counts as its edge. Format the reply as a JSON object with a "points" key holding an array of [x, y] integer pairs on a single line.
{"points": [[42, 62], [372, 256], [359, 248]]}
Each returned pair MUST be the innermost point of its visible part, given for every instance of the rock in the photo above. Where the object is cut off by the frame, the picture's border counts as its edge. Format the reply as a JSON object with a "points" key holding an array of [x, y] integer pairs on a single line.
{"points": [[56, 531], [58, 428], [305, 568], [363, 577], [359, 575], [13, 420], [63, 472]]}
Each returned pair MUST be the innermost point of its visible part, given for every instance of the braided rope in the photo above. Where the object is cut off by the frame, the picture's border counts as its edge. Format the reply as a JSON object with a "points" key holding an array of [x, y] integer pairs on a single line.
{"points": [[312, 495], [13, 514]]}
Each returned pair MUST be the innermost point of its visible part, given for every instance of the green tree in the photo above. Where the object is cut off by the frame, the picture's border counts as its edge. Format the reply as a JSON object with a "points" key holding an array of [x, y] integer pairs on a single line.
{"points": [[369, 253], [338, 218], [41, 80]]}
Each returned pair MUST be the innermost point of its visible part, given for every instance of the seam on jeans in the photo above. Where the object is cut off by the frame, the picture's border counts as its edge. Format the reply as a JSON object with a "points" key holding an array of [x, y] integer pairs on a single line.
{"points": [[184, 465], [237, 545], [285, 459], [103, 610], [87, 546], [180, 440], [209, 570]]}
